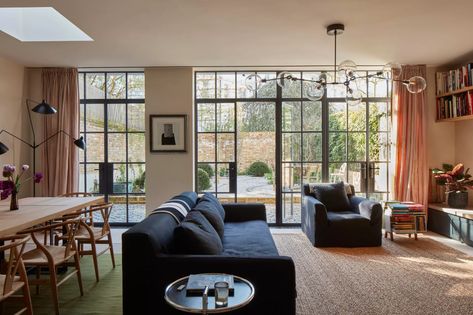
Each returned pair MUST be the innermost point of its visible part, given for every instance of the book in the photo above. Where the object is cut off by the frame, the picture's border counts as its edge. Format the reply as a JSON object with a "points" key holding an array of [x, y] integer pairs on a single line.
{"points": [[197, 283]]}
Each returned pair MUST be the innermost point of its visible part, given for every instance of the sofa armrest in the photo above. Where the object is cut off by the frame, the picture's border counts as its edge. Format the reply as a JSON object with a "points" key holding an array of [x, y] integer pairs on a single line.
{"points": [[367, 208], [239, 212], [316, 209]]}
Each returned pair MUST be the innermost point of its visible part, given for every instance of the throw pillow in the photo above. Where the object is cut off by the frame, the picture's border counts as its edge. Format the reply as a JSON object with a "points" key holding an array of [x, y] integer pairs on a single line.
{"points": [[196, 236], [211, 198], [333, 196], [212, 214], [178, 206]]}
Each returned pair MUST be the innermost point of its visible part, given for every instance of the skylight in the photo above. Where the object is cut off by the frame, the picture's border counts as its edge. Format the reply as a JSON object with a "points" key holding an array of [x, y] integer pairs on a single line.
{"points": [[39, 24]]}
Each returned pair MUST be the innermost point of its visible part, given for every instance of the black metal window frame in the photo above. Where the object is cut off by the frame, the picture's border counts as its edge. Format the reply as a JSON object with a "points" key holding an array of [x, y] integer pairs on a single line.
{"points": [[279, 100], [105, 102]]}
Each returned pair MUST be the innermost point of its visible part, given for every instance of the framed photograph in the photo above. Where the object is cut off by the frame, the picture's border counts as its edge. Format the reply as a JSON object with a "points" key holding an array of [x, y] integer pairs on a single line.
{"points": [[168, 133]]}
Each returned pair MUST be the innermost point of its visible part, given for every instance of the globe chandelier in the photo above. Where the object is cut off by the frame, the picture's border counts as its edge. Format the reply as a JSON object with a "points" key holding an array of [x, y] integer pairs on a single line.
{"points": [[347, 73]]}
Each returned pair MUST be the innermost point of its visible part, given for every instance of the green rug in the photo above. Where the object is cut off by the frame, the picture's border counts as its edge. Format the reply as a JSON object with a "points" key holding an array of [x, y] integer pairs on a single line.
{"points": [[103, 297]]}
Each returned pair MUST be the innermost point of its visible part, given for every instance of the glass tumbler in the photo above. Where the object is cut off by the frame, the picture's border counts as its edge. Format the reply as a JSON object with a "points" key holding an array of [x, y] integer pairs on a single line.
{"points": [[221, 293]]}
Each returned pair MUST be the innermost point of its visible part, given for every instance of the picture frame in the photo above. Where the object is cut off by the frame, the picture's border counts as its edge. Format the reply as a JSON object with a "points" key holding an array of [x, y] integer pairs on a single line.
{"points": [[168, 133]]}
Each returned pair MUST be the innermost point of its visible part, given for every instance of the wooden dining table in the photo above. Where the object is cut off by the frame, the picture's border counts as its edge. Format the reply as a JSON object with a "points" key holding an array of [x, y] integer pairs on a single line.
{"points": [[37, 210]]}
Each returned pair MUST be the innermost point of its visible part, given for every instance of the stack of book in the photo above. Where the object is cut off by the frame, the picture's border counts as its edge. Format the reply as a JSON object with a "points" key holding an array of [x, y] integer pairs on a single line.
{"points": [[454, 79], [455, 105], [406, 217]]}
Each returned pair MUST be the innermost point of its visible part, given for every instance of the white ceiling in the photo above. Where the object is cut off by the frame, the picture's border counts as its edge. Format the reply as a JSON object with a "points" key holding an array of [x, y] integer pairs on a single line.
{"points": [[140, 33]]}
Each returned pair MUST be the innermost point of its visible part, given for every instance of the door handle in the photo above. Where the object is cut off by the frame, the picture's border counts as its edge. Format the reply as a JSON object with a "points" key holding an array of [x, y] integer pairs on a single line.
{"points": [[372, 169]]}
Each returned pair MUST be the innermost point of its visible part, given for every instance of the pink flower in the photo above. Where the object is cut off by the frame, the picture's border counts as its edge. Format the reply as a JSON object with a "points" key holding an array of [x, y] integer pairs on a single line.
{"points": [[8, 170], [25, 167], [38, 177]]}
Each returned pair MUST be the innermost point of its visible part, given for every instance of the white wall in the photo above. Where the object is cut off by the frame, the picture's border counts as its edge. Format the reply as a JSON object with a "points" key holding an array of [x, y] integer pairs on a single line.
{"points": [[169, 91], [13, 116]]}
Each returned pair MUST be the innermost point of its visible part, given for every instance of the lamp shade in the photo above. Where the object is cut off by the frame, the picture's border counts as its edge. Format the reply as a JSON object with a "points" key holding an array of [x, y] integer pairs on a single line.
{"points": [[80, 143], [3, 148], [44, 108]]}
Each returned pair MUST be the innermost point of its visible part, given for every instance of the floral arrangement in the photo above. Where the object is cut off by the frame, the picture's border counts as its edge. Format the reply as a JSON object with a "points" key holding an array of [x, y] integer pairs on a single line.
{"points": [[454, 178], [12, 184]]}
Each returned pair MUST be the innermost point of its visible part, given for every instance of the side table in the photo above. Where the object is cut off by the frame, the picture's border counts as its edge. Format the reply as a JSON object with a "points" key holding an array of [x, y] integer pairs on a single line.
{"points": [[244, 292]]}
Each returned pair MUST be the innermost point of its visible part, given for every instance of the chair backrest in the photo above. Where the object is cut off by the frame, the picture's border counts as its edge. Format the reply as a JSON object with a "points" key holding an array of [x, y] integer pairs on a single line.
{"points": [[105, 210], [14, 264], [308, 190], [77, 194]]}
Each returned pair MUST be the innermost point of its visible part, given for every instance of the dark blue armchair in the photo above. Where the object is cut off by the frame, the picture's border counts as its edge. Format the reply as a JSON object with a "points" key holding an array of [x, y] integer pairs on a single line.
{"points": [[358, 225]]}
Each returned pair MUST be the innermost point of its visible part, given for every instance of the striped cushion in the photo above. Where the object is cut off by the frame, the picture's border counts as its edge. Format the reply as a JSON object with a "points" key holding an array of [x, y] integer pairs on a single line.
{"points": [[178, 206]]}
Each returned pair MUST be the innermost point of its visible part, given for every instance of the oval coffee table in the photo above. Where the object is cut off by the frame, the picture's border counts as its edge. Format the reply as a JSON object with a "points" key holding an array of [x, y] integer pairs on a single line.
{"points": [[244, 292]]}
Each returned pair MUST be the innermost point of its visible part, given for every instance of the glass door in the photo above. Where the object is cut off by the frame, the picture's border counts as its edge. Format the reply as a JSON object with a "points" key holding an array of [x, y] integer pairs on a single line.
{"points": [[112, 122]]}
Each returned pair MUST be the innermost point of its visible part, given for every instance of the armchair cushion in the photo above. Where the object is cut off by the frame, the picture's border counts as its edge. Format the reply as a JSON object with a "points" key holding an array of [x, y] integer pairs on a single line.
{"points": [[347, 220], [196, 236], [333, 196]]}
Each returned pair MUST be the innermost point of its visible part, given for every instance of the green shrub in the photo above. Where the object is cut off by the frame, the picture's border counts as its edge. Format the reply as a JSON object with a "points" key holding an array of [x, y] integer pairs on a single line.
{"points": [[207, 168], [203, 180], [223, 171], [269, 177], [258, 169]]}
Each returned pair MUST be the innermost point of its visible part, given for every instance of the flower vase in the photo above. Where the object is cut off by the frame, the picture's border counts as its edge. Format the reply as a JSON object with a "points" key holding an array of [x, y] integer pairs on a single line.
{"points": [[14, 201]]}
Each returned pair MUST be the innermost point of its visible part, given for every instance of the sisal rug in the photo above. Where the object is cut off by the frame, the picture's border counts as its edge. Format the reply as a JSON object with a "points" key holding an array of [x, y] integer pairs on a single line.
{"points": [[401, 277]]}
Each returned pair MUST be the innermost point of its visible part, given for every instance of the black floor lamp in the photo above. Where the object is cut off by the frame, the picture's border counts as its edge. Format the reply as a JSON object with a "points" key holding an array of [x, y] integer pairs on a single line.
{"points": [[44, 109]]}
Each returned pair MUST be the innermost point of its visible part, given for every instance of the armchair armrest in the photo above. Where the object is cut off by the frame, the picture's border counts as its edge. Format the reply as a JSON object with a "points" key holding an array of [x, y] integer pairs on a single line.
{"points": [[367, 208], [239, 212], [316, 209]]}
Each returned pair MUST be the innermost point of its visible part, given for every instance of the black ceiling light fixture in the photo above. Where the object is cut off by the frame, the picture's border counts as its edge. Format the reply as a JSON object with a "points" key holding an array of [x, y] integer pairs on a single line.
{"points": [[344, 76], [42, 108]]}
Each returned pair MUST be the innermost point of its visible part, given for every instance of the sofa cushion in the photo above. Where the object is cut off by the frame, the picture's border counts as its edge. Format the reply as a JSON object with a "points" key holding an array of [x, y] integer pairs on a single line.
{"points": [[209, 197], [333, 196], [178, 206], [211, 213], [248, 238], [196, 236], [346, 220]]}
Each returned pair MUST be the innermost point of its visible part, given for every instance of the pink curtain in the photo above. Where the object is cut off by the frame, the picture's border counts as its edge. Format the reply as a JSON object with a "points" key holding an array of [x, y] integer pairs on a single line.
{"points": [[60, 161], [411, 174]]}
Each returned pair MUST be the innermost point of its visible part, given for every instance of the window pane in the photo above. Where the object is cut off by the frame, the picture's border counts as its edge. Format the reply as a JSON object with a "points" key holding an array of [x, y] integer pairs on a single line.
{"points": [[206, 145], [206, 182], [223, 178], [136, 176], [120, 182], [377, 87], [312, 173], [95, 85], [335, 90], [357, 117], [117, 147], [337, 172], [205, 85], [356, 146], [94, 117], [337, 116], [206, 119], [116, 85], [337, 146], [136, 117], [291, 116], [312, 146], [136, 147], [291, 206], [225, 147], [256, 116], [268, 89], [312, 116], [355, 176], [379, 146], [81, 152], [380, 172], [226, 117], [225, 85], [313, 76], [81, 117], [379, 120], [81, 85], [116, 116], [95, 147], [242, 89], [292, 88], [291, 147], [82, 178], [136, 85], [291, 177], [92, 178]]}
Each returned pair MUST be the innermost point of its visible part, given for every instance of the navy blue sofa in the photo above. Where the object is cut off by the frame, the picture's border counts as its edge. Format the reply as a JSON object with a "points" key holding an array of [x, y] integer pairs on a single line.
{"points": [[149, 264]]}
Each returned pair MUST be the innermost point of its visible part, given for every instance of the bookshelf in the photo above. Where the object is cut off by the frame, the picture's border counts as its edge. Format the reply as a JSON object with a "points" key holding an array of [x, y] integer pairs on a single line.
{"points": [[404, 218], [454, 94]]}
